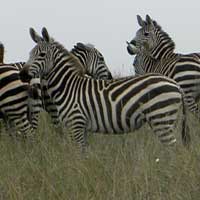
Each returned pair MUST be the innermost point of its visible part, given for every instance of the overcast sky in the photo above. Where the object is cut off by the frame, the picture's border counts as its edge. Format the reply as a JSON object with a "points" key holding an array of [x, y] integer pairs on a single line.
{"points": [[105, 23]]}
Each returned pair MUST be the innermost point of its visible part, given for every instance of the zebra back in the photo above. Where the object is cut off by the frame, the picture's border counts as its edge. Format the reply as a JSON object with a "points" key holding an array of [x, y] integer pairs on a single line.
{"points": [[18, 65]]}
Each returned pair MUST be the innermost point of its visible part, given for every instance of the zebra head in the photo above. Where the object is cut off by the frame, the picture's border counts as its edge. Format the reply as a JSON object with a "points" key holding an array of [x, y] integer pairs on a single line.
{"points": [[92, 60], [40, 57], [150, 39]]}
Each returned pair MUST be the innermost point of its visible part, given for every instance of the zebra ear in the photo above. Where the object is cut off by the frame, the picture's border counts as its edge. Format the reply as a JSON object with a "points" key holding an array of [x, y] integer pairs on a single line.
{"points": [[36, 38], [45, 34], [149, 20], [141, 22]]}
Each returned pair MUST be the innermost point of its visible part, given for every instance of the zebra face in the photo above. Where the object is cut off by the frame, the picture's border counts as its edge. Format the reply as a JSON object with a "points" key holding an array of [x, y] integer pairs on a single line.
{"points": [[151, 40], [145, 38], [39, 62]]}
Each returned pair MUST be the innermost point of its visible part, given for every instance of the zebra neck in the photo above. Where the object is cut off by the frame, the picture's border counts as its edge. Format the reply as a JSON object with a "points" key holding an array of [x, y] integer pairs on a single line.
{"points": [[144, 62], [164, 49], [162, 52], [66, 62], [148, 64], [66, 72]]}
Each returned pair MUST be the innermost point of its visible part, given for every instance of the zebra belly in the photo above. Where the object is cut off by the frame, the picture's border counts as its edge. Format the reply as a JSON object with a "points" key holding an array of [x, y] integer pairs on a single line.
{"points": [[116, 125]]}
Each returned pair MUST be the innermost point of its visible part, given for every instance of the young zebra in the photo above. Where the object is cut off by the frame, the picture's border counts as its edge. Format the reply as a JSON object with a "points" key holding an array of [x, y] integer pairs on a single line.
{"points": [[154, 51], [108, 106]]}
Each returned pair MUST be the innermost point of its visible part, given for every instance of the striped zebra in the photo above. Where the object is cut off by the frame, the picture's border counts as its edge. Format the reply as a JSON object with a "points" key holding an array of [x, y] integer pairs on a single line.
{"points": [[14, 101], [154, 51], [94, 64], [12, 94], [109, 106]]}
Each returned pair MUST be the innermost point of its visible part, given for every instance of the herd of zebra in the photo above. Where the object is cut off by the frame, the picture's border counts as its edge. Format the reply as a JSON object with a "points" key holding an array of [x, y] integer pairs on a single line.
{"points": [[78, 91]]}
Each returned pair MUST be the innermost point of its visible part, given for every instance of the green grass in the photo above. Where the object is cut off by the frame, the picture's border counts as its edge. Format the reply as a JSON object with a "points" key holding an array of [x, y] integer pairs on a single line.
{"points": [[117, 167]]}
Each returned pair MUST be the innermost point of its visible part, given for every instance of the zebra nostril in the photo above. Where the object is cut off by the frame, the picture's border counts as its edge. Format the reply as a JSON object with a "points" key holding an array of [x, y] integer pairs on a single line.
{"points": [[133, 42], [131, 48]]}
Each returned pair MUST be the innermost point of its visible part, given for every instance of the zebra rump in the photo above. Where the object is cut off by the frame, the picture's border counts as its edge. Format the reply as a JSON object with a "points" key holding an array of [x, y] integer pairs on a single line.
{"points": [[15, 106]]}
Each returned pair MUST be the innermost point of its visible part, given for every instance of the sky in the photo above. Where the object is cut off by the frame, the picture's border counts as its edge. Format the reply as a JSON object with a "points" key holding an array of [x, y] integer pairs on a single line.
{"points": [[107, 24]]}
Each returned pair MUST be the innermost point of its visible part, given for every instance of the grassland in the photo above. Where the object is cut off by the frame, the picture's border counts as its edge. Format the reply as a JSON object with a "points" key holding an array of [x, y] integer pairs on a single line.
{"points": [[117, 167]]}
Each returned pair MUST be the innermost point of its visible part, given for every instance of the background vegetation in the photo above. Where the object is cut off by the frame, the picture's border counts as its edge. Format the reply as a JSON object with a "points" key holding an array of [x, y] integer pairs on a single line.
{"points": [[117, 167]]}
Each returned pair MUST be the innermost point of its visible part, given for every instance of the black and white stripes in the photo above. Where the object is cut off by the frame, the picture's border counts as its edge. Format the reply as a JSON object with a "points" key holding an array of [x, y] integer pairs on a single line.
{"points": [[92, 60], [94, 65], [154, 51], [14, 101], [116, 106]]}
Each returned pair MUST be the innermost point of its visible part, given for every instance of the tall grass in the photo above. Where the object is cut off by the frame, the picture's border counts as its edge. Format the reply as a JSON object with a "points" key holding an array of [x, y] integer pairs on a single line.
{"points": [[116, 167]]}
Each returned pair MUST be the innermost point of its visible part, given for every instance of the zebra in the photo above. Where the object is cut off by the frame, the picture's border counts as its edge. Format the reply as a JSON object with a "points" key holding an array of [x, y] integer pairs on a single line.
{"points": [[95, 66], [14, 101], [108, 106], [154, 51], [9, 75]]}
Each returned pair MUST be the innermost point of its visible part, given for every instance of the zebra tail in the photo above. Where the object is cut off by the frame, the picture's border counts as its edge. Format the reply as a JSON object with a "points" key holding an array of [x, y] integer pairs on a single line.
{"points": [[186, 139]]}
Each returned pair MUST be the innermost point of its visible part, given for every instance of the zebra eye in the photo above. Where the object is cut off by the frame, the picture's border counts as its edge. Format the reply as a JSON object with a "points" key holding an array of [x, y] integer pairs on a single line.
{"points": [[42, 54], [146, 33]]}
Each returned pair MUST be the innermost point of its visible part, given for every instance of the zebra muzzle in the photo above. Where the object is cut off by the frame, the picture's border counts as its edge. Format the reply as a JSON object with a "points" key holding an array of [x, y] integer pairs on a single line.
{"points": [[131, 48], [24, 76]]}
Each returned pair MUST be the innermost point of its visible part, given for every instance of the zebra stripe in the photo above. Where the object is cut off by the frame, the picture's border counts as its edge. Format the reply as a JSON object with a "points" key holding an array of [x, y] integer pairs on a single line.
{"points": [[92, 60], [32, 114], [95, 66], [154, 51], [116, 106], [14, 102]]}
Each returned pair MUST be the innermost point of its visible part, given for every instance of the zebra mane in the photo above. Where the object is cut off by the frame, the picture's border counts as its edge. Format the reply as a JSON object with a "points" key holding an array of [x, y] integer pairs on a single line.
{"points": [[164, 35], [73, 59], [90, 45]]}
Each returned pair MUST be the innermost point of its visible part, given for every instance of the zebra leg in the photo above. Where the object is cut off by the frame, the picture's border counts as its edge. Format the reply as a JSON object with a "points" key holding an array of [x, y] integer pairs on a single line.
{"points": [[23, 126], [51, 109], [9, 125], [192, 106], [185, 129], [163, 129], [77, 133]]}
